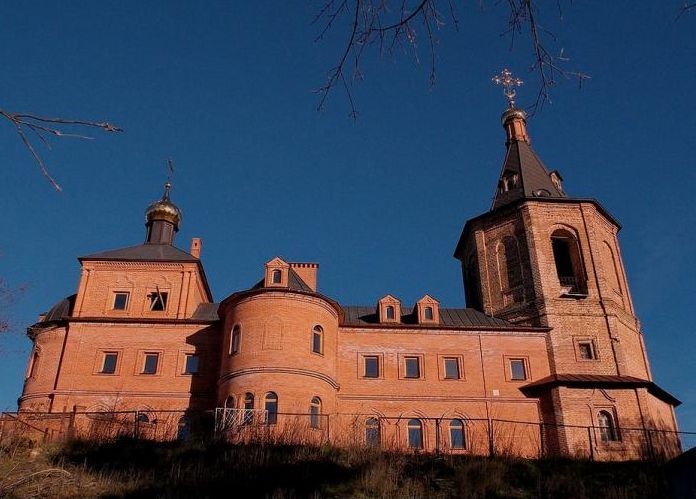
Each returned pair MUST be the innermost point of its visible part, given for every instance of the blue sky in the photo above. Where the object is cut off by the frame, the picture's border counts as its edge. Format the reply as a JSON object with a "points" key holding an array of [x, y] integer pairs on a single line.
{"points": [[225, 89]]}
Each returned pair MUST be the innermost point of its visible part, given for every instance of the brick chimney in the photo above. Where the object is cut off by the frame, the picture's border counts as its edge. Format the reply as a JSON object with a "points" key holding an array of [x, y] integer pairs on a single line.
{"points": [[196, 244]]}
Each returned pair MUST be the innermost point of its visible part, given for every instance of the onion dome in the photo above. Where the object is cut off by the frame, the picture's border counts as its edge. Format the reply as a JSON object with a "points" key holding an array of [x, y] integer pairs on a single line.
{"points": [[162, 219]]}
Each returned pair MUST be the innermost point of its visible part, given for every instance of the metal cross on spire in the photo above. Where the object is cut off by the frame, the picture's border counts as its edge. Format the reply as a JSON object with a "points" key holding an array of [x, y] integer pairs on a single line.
{"points": [[170, 170], [508, 82]]}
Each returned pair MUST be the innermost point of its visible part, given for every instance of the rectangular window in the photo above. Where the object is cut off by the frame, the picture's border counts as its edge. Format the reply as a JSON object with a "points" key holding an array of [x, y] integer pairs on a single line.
{"points": [[120, 300], [158, 300], [518, 370], [586, 350], [412, 365], [452, 368], [191, 364], [371, 366], [109, 364], [151, 361]]}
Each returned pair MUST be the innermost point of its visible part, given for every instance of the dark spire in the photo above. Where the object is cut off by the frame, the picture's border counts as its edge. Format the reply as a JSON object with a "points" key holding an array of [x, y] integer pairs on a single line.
{"points": [[162, 219], [523, 175]]}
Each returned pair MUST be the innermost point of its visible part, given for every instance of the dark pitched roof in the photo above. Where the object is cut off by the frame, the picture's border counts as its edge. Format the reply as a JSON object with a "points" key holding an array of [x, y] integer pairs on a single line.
{"points": [[451, 317], [600, 381], [295, 283], [534, 180], [61, 310], [206, 312], [144, 252]]}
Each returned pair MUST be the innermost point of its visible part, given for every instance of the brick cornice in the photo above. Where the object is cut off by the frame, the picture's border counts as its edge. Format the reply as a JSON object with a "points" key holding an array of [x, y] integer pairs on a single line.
{"points": [[279, 370]]}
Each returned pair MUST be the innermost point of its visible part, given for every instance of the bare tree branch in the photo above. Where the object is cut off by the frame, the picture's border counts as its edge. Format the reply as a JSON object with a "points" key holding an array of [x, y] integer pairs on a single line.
{"points": [[374, 22], [43, 128], [687, 7]]}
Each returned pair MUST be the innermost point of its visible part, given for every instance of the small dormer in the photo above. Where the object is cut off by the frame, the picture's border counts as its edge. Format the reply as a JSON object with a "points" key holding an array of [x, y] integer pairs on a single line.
{"points": [[428, 310], [276, 273], [557, 180], [510, 180], [389, 310]]}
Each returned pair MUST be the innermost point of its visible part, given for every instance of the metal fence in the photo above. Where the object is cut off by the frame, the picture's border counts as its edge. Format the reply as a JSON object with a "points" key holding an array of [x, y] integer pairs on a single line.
{"points": [[422, 434]]}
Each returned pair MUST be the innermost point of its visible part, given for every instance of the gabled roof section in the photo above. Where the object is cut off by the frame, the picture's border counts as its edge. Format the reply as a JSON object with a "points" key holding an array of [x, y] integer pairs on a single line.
{"points": [[533, 179], [150, 253], [144, 253], [449, 317]]}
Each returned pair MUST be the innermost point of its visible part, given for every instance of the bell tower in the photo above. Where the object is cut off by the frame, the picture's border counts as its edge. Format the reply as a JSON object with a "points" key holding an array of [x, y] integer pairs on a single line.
{"points": [[539, 257]]}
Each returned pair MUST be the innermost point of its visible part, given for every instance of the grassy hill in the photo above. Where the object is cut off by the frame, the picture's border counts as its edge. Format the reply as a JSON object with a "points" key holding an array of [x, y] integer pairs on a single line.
{"points": [[130, 468]]}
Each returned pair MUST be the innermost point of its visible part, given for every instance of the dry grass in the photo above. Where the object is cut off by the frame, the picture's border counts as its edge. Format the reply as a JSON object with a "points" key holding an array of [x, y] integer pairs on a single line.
{"points": [[131, 468]]}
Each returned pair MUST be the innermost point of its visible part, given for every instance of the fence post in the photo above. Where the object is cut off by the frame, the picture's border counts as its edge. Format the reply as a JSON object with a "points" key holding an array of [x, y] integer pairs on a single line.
{"points": [[437, 436], [327, 439], [136, 422], [71, 422], [589, 439], [651, 451], [542, 444], [491, 442]]}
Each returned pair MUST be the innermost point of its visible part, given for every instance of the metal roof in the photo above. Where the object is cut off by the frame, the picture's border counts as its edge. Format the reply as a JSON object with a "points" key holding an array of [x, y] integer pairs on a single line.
{"points": [[601, 381], [451, 317], [144, 252], [534, 178], [61, 310], [206, 312]]}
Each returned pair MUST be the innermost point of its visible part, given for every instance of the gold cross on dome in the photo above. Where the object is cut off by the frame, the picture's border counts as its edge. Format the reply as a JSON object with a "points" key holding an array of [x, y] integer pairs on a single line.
{"points": [[508, 82]]}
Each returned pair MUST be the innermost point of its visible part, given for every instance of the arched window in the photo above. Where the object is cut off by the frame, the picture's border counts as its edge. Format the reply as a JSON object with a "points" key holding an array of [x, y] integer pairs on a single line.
{"points": [[276, 277], [509, 264], [315, 412], [457, 438], [607, 428], [142, 418], [248, 408], [472, 287], [183, 428], [271, 406], [569, 267], [33, 364], [428, 313], [372, 437], [318, 340], [229, 402], [235, 340], [415, 434], [390, 312]]}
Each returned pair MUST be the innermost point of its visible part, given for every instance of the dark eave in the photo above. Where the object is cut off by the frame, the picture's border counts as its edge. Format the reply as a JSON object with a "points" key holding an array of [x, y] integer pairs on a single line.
{"points": [[599, 381]]}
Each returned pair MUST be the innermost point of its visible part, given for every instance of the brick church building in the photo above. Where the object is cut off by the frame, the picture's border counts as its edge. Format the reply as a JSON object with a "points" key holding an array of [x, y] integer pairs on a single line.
{"points": [[548, 339]]}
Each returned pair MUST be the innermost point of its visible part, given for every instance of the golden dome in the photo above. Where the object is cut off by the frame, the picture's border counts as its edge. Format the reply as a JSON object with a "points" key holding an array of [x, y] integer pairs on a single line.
{"points": [[512, 113], [164, 209]]}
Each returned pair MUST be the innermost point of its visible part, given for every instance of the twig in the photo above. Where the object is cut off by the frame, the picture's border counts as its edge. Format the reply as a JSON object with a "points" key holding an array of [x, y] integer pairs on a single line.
{"points": [[30, 477], [44, 127]]}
